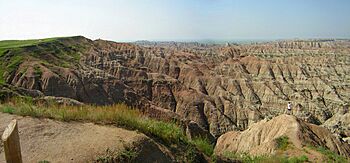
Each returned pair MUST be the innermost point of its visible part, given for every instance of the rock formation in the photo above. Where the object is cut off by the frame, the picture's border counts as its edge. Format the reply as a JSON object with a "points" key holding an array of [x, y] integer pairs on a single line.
{"points": [[340, 124], [54, 141], [221, 88], [260, 138]]}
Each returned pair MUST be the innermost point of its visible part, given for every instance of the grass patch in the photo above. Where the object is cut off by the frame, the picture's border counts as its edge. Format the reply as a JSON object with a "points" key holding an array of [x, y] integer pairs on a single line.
{"points": [[190, 154], [16, 54], [37, 71], [8, 109], [246, 158], [43, 161], [8, 44], [60, 51], [2, 77], [204, 145], [170, 133], [127, 155], [14, 63], [331, 156], [282, 143]]}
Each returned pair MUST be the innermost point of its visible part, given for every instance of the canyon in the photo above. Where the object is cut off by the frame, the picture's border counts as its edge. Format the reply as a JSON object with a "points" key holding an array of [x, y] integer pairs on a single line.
{"points": [[216, 88]]}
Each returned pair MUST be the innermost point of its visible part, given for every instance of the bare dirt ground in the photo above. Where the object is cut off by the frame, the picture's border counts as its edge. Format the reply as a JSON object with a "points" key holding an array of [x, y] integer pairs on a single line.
{"points": [[54, 141]]}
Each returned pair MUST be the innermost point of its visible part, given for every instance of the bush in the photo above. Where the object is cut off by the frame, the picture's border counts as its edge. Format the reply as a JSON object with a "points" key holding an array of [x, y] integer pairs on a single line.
{"points": [[282, 142]]}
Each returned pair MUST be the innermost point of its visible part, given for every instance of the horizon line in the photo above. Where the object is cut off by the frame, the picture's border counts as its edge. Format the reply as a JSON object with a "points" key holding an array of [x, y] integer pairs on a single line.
{"points": [[233, 40]]}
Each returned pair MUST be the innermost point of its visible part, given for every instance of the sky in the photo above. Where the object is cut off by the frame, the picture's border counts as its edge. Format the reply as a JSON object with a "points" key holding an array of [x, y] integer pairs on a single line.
{"points": [[131, 20]]}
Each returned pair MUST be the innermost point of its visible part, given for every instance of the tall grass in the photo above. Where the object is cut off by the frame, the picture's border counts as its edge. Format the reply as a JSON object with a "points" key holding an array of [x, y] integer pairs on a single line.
{"points": [[203, 145], [119, 114]]}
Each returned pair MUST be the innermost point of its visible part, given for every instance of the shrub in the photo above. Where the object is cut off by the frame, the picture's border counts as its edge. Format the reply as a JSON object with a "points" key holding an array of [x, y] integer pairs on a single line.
{"points": [[204, 145], [282, 142], [127, 155]]}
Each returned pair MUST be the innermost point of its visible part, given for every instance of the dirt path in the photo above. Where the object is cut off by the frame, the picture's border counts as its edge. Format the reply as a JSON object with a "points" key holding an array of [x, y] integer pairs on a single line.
{"points": [[54, 141]]}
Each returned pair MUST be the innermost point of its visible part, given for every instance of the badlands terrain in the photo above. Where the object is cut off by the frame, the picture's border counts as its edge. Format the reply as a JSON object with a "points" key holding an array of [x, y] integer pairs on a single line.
{"points": [[234, 95]]}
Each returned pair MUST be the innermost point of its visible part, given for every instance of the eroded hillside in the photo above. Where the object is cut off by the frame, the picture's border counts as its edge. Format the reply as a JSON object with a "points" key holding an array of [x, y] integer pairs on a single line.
{"points": [[221, 88]]}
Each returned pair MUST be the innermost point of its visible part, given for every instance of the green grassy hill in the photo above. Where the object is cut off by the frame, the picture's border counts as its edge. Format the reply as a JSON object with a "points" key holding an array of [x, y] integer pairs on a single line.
{"points": [[60, 51]]}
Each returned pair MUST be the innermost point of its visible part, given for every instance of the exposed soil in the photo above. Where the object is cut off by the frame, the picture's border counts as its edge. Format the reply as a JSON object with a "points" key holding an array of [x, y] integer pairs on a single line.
{"points": [[261, 137], [54, 141]]}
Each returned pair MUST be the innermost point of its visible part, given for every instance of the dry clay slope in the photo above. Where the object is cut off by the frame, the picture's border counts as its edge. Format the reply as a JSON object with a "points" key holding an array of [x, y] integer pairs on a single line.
{"points": [[260, 138], [54, 141], [220, 88]]}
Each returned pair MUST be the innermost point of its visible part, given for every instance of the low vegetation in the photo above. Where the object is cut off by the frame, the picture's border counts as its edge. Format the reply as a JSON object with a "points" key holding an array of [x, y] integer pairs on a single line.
{"points": [[169, 133], [6, 44], [282, 143], [61, 52], [119, 114], [246, 158], [203, 145], [37, 71], [43, 161], [330, 156], [16, 57], [127, 155]]}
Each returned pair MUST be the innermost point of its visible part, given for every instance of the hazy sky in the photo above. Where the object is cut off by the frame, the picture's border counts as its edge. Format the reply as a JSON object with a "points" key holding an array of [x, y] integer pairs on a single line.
{"points": [[128, 20]]}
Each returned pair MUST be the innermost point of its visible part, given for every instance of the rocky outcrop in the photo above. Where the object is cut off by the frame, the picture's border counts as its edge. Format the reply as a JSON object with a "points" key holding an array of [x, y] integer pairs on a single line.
{"points": [[193, 131], [260, 138], [59, 101], [340, 124], [54, 141], [221, 88]]}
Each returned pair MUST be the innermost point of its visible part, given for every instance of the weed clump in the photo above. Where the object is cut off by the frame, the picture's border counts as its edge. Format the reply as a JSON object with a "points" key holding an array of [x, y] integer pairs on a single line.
{"points": [[282, 143]]}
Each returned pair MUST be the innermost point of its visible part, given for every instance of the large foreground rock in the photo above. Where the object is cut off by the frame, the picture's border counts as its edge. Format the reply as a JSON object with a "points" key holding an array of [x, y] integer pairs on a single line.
{"points": [[54, 141], [260, 138]]}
